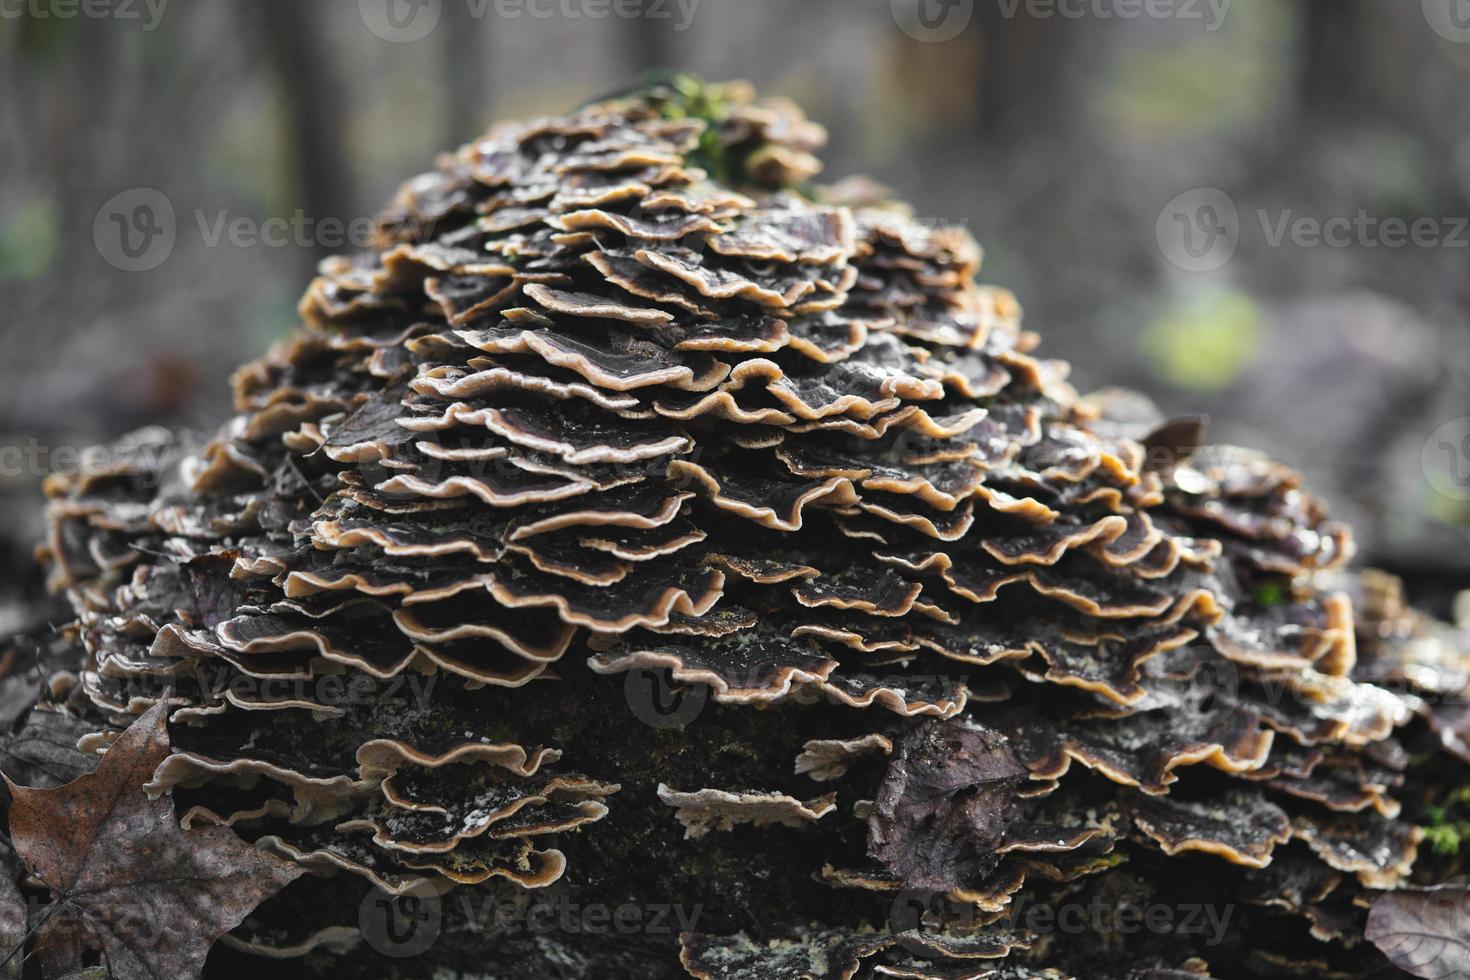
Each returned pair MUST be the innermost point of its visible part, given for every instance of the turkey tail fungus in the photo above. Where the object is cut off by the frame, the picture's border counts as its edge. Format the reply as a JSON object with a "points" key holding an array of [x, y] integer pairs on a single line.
{"points": [[644, 529]]}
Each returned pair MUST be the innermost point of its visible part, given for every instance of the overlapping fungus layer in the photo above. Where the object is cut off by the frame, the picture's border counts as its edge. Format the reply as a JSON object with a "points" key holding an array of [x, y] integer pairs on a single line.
{"points": [[614, 392]]}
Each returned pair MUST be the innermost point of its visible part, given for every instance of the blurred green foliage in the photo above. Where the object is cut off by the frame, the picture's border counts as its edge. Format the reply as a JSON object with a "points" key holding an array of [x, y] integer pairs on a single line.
{"points": [[1204, 342], [29, 240]]}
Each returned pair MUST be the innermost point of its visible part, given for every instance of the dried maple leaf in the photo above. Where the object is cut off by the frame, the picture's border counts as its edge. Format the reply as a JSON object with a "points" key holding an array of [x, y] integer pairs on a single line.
{"points": [[125, 878], [1425, 931]]}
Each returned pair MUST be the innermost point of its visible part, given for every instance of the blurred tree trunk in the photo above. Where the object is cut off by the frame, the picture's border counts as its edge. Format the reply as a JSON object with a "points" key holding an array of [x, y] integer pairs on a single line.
{"points": [[646, 46], [465, 92], [1335, 63], [290, 37], [1026, 73]]}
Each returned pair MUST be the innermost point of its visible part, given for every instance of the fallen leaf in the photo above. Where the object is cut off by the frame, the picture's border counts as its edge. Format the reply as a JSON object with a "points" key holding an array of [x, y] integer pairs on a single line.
{"points": [[1425, 931], [125, 878], [44, 752], [216, 596], [944, 804], [12, 914]]}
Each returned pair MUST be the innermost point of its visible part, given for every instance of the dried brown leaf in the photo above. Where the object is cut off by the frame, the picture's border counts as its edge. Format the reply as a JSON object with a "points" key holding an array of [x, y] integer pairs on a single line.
{"points": [[124, 875], [944, 805], [1424, 931]]}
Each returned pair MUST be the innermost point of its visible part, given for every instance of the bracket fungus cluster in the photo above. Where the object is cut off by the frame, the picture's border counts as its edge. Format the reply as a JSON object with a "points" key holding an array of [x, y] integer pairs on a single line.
{"points": [[624, 395]]}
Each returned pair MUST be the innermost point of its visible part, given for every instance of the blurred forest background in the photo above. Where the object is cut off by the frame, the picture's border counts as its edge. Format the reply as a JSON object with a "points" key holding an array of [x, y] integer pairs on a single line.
{"points": [[1059, 132]]}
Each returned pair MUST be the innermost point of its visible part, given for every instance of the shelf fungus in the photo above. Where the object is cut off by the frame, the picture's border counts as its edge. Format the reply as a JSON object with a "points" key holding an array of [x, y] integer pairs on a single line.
{"points": [[642, 524]]}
